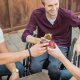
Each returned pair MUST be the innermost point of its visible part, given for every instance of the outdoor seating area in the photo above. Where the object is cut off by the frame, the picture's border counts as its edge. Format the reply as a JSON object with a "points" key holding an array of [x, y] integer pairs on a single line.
{"points": [[14, 43], [31, 36]]}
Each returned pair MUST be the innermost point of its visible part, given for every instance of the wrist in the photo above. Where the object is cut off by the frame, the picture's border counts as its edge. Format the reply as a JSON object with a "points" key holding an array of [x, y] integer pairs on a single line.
{"points": [[61, 58], [15, 71], [37, 40]]}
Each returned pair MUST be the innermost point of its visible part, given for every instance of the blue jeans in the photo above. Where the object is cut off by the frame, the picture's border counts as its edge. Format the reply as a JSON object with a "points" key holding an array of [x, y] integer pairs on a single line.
{"points": [[65, 74], [4, 71], [54, 71]]}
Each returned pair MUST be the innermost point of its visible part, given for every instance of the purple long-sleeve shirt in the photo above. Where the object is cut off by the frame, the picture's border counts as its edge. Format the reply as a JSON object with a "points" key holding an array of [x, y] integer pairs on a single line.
{"points": [[61, 29]]}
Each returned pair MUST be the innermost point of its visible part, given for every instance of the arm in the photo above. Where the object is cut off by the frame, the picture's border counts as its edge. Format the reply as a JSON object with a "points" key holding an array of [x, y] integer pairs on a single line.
{"points": [[3, 49], [31, 26], [74, 20], [32, 39], [36, 50], [72, 68], [12, 57]]}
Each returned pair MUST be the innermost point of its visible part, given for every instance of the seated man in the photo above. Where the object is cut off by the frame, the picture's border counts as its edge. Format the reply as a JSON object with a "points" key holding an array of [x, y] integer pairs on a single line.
{"points": [[58, 22], [11, 68], [75, 71]]}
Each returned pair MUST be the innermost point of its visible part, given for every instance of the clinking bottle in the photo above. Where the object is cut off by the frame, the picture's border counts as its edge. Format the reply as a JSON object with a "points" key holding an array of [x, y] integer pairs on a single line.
{"points": [[48, 36]]}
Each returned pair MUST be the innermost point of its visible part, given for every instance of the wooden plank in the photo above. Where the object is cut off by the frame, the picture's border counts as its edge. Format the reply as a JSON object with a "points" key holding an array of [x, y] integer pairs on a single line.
{"points": [[14, 14], [15, 9], [4, 14]]}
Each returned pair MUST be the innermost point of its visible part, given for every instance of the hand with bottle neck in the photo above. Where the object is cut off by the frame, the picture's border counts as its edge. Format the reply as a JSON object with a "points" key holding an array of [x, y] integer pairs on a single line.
{"points": [[48, 38]]}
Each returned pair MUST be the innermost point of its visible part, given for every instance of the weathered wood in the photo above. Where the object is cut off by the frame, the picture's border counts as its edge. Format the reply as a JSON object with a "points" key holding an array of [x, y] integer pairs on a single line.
{"points": [[4, 14], [15, 13]]}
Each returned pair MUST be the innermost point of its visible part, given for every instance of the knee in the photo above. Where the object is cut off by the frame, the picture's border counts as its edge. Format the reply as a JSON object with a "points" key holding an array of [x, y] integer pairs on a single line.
{"points": [[54, 72], [4, 70], [21, 69], [36, 67], [53, 69], [65, 75]]}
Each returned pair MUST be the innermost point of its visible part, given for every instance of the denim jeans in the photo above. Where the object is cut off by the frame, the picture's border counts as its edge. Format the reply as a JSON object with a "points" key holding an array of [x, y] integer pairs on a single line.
{"points": [[54, 71], [65, 74], [4, 71]]}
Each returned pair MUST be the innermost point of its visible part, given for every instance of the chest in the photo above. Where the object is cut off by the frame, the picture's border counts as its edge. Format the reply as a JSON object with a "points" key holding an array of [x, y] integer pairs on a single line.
{"points": [[58, 28]]}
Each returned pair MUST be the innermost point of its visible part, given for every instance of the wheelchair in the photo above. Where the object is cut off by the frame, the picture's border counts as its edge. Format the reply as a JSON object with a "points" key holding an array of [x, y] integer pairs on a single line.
{"points": [[72, 57]]}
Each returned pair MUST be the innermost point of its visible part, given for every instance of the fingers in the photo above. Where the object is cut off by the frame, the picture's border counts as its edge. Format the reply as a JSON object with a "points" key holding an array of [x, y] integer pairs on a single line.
{"points": [[43, 40], [44, 44], [76, 49], [55, 50], [43, 51]]}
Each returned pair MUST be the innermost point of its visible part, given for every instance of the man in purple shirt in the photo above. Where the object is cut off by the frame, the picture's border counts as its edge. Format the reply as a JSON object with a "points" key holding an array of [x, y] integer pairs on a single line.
{"points": [[58, 22]]}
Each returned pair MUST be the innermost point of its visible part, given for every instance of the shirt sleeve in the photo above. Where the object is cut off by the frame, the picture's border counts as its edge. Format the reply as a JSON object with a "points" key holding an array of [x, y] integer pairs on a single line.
{"points": [[1, 36], [74, 20], [31, 26]]}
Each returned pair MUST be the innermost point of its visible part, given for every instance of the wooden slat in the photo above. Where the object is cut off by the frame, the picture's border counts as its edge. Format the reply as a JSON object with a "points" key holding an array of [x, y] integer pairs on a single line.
{"points": [[4, 14], [15, 13]]}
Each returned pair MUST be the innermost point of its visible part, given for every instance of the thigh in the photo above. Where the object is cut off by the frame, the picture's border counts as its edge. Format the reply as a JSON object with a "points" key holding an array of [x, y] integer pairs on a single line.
{"points": [[37, 63], [4, 71], [21, 68], [65, 74], [56, 62], [64, 50], [39, 59]]}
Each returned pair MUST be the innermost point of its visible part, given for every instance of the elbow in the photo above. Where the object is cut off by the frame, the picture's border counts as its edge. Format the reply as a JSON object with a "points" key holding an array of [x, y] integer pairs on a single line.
{"points": [[23, 38]]}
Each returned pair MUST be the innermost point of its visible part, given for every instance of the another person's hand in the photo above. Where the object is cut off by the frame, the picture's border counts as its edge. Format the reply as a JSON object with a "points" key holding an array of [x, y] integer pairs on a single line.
{"points": [[55, 52], [77, 47], [38, 49], [14, 76], [73, 78]]}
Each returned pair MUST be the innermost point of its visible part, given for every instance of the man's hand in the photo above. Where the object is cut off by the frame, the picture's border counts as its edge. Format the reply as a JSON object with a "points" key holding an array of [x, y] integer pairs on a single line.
{"points": [[77, 47], [14, 76]]}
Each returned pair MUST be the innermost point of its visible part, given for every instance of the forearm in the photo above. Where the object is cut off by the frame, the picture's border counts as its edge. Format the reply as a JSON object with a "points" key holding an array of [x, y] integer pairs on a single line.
{"points": [[4, 49], [72, 68], [13, 57], [32, 39]]}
